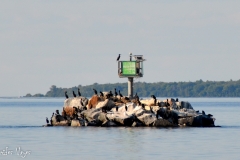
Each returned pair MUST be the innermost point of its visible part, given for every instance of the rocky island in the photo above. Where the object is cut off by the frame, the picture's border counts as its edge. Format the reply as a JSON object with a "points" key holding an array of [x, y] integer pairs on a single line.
{"points": [[111, 110]]}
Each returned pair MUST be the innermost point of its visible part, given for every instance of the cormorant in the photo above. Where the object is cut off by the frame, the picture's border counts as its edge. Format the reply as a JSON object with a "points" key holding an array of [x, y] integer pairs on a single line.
{"points": [[143, 106], [153, 96], [176, 99], [120, 93], [57, 112], [95, 91], [155, 99], [47, 120], [79, 94], [101, 94], [126, 107], [110, 94], [209, 115], [66, 95], [81, 103], [74, 95], [115, 92], [126, 98], [57, 118], [118, 57], [136, 95], [203, 113], [168, 103], [117, 108]]}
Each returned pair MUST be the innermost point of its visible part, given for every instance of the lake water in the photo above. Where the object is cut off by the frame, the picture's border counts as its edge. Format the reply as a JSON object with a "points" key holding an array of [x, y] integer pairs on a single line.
{"points": [[21, 134]]}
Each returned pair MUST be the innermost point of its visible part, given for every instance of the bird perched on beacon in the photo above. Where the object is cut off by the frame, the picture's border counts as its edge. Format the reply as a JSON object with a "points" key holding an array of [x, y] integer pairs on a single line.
{"points": [[118, 57]]}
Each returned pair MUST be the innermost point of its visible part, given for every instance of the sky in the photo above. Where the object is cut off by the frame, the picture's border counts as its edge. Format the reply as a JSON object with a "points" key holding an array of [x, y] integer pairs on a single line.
{"points": [[71, 43]]}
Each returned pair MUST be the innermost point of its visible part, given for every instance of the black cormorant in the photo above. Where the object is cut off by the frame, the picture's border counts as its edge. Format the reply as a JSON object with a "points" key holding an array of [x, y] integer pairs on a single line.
{"points": [[126, 107], [81, 103], [153, 96], [117, 108], [74, 95], [120, 93], [118, 57], [203, 113], [176, 99], [66, 95], [47, 120], [95, 91], [115, 92], [110, 94], [168, 103], [79, 94], [57, 112], [101, 94]]}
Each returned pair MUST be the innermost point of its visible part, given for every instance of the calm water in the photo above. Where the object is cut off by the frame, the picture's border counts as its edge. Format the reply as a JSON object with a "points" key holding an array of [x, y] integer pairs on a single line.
{"points": [[21, 120]]}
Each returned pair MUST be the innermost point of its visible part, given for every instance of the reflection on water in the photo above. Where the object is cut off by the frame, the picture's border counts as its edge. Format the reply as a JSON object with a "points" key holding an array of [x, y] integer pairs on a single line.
{"points": [[20, 127]]}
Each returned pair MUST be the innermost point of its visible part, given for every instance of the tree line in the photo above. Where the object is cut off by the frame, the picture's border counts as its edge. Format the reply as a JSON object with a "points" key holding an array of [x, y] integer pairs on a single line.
{"points": [[160, 89]]}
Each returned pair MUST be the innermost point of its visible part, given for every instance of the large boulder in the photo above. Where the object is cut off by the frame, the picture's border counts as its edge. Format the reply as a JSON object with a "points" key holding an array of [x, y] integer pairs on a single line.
{"points": [[92, 103], [58, 120], [148, 102], [162, 123], [107, 103], [76, 102]]}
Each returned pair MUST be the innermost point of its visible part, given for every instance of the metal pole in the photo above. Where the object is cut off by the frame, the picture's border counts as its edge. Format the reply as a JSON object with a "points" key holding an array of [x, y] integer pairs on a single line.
{"points": [[130, 87]]}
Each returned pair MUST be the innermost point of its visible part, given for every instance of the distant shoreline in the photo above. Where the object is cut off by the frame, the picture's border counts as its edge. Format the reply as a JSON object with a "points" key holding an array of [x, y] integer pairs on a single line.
{"points": [[196, 89]]}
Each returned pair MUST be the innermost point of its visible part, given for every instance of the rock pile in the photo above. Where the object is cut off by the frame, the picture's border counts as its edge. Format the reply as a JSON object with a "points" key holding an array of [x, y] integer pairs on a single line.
{"points": [[108, 110]]}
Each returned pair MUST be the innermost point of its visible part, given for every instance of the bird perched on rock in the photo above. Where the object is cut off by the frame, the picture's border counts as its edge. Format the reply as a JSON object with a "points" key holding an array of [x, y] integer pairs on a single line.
{"points": [[74, 95], [176, 99], [47, 120], [153, 96], [167, 103], [117, 108], [79, 93], [101, 94], [95, 91], [120, 93], [110, 94], [203, 113], [81, 103], [155, 99], [126, 108], [118, 57], [115, 92], [57, 112], [66, 95], [143, 106], [209, 115]]}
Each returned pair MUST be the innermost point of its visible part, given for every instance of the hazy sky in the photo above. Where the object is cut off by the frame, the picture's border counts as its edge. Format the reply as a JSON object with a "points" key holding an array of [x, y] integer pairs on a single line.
{"points": [[67, 43]]}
